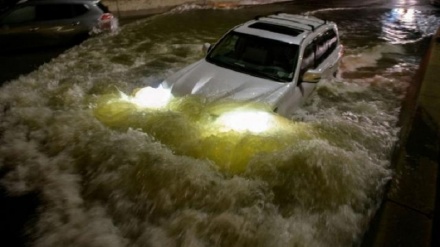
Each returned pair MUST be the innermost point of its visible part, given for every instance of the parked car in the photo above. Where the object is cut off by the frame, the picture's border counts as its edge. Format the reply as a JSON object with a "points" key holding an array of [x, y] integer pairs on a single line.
{"points": [[37, 23], [435, 2], [276, 59], [6, 4]]}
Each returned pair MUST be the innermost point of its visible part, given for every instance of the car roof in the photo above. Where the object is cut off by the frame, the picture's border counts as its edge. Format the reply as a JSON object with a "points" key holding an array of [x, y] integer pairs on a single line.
{"points": [[289, 28]]}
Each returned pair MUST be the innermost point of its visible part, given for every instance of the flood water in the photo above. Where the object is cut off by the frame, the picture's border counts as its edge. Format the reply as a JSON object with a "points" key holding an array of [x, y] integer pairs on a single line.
{"points": [[107, 174]]}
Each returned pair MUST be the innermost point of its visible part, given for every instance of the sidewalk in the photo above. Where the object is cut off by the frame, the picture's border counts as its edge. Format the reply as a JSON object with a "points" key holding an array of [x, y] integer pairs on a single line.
{"points": [[409, 215]]}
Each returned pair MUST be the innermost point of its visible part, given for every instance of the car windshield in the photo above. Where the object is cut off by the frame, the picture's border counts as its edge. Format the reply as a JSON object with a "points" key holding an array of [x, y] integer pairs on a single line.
{"points": [[256, 56]]}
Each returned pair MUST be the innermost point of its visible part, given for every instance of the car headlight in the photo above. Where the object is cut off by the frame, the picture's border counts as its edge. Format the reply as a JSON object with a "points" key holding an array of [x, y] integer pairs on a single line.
{"points": [[149, 97], [246, 121]]}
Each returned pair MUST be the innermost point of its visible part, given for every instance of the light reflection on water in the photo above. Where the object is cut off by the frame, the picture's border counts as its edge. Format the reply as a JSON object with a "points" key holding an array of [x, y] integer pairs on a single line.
{"points": [[407, 25], [151, 179]]}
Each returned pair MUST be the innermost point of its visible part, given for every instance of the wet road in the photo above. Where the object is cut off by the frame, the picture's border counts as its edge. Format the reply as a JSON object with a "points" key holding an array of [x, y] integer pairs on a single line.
{"points": [[108, 174]]}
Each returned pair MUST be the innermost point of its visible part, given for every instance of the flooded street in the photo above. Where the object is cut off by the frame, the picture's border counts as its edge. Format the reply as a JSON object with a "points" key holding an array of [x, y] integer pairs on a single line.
{"points": [[108, 174]]}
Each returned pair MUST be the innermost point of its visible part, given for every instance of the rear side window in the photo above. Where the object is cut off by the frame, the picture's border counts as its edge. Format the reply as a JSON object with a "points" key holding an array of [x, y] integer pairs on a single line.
{"points": [[318, 50], [47, 12], [332, 40], [325, 45], [308, 61], [21, 15], [103, 7]]}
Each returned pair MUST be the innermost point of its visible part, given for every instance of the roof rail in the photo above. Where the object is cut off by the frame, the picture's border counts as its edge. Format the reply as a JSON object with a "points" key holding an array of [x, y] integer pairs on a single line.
{"points": [[313, 24], [312, 19], [291, 24]]}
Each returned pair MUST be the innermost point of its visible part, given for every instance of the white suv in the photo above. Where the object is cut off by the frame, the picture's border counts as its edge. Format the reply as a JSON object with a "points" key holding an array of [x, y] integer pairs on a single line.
{"points": [[276, 59]]}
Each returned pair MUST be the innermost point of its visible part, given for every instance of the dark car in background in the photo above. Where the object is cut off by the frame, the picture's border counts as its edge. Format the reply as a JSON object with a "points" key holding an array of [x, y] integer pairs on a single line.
{"points": [[6, 4], [435, 2], [42, 23]]}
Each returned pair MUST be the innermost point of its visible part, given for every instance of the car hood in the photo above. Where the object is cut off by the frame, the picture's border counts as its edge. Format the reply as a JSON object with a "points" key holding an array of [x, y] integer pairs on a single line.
{"points": [[218, 83]]}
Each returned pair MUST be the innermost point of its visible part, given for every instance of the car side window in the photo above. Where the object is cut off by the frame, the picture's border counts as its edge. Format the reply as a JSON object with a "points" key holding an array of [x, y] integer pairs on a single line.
{"points": [[79, 9], [48, 12], [21, 15], [308, 61], [321, 49], [325, 45], [228, 47], [332, 40], [103, 7]]}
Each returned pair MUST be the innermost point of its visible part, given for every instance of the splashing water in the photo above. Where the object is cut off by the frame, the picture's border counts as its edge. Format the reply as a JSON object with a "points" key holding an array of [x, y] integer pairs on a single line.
{"points": [[111, 174]]}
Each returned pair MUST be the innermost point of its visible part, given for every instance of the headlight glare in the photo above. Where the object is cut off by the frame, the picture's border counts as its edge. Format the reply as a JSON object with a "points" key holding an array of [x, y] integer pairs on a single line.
{"points": [[149, 97], [246, 121]]}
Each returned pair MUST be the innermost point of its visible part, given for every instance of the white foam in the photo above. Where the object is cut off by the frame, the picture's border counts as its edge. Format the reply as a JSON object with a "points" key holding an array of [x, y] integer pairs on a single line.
{"points": [[103, 186], [368, 57]]}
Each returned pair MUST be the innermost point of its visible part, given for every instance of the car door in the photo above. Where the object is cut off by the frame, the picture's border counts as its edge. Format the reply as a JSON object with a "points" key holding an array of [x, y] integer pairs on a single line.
{"points": [[18, 28], [327, 57], [301, 90], [316, 57], [40, 25], [60, 24]]}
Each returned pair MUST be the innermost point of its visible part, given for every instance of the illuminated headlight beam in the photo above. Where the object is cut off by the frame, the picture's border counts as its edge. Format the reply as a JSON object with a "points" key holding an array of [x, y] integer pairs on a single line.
{"points": [[149, 97], [246, 121]]}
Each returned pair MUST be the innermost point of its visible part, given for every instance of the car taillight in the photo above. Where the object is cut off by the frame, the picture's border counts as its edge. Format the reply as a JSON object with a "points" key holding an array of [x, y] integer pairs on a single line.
{"points": [[107, 22], [106, 16]]}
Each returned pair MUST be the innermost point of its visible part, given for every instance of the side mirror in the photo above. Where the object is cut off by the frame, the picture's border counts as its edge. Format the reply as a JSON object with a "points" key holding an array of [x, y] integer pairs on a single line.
{"points": [[206, 48], [311, 76]]}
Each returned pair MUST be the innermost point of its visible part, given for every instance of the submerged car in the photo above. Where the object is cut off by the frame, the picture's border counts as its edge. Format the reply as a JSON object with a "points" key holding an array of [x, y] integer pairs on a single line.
{"points": [[41, 23], [276, 60]]}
